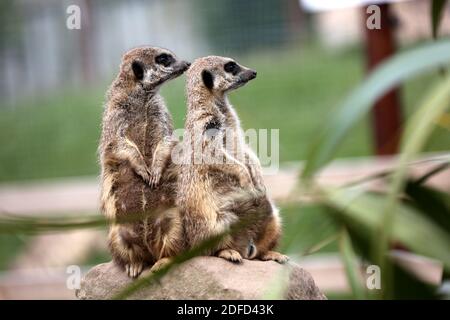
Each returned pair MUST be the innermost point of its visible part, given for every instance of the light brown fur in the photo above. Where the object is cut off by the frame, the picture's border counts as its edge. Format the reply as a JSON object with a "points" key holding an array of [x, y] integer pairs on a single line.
{"points": [[137, 175], [211, 197]]}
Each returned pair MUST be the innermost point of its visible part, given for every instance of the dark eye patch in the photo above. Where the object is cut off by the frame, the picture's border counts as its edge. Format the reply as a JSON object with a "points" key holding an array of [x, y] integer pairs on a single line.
{"points": [[138, 70], [232, 67], [164, 59]]}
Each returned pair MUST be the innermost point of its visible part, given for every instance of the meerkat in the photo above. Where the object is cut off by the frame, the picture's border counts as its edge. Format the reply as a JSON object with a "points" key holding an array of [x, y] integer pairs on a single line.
{"points": [[135, 147], [212, 196]]}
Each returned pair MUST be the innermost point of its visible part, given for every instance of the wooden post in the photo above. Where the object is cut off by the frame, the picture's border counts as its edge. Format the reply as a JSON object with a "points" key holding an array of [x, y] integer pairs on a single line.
{"points": [[386, 115]]}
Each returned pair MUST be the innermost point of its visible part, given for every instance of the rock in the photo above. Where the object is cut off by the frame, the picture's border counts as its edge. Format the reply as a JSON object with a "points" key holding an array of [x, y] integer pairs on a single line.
{"points": [[208, 278]]}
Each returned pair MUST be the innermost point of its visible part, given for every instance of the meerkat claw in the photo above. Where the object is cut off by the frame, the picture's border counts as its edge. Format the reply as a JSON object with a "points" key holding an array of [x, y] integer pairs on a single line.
{"points": [[154, 179], [230, 255], [275, 256], [134, 269], [144, 174]]}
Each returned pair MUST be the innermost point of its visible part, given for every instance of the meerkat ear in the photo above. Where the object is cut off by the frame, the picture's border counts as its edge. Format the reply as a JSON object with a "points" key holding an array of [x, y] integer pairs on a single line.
{"points": [[138, 70], [208, 79]]}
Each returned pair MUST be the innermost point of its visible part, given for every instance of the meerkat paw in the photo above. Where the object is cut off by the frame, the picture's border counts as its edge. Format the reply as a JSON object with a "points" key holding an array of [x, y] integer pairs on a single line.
{"points": [[275, 256], [144, 174], [134, 269], [154, 178], [160, 264], [245, 181], [230, 255]]}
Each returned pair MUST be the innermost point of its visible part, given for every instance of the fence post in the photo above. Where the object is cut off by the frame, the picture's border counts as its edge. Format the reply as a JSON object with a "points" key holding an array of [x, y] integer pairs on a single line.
{"points": [[386, 113]]}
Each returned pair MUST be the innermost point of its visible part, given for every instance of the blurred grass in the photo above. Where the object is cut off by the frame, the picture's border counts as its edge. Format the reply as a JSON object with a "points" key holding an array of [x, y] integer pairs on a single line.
{"points": [[10, 247], [97, 257], [57, 136], [50, 137]]}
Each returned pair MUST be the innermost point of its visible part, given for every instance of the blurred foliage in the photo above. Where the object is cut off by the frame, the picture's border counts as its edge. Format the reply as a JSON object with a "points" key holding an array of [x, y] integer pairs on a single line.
{"points": [[97, 257], [51, 137], [10, 24], [374, 221], [437, 8], [10, 246], [298, 221], [360, 101]]}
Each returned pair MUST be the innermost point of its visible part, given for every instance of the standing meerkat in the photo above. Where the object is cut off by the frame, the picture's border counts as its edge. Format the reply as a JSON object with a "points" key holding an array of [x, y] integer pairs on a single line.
{"points": [[213, 194], [135, 148]]}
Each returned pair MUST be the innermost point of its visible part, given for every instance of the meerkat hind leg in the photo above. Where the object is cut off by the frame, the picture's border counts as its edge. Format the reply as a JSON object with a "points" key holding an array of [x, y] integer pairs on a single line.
{"points": [[230, 255], [275, 256]]}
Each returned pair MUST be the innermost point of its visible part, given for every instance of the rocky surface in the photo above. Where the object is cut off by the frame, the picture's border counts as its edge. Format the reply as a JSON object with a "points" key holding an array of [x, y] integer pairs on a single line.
{"points": [[208, 278]]}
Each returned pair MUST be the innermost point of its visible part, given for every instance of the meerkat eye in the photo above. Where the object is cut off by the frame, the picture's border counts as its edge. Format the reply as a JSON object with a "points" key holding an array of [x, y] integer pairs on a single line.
{"points": [[232, 67], [164, 59], [138, 70]]}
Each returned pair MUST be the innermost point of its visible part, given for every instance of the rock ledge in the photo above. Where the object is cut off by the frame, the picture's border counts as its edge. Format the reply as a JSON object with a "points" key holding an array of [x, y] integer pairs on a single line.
{"points": [[208, 278]]}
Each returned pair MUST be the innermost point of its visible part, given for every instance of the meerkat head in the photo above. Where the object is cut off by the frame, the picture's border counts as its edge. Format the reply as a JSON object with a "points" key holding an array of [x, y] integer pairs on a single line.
{"points": [[219, 75], [150, 67]]}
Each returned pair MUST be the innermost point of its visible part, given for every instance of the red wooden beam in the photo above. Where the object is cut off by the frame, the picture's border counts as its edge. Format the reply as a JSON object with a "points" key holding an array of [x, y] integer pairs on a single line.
{"points": [[386, 114]]}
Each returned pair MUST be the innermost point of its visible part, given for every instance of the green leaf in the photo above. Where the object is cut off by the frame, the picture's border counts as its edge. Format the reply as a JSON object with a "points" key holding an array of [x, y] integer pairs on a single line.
{"points": [[298, 221], [351, 265], [364, 211], [430, 202], [404, 284], [431, 173], [437, 8], [17, 224], [395, 70], [418, 130], [407, 286]]}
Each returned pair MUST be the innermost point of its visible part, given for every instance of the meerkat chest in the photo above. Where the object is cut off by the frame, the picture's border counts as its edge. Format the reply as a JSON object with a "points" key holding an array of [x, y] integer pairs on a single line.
{"points": [[147, 128]]}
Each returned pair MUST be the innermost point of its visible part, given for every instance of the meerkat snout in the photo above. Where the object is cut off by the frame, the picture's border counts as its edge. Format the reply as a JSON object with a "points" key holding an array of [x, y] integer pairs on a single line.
{"points": [[248, 75], [186, 65], [181, 67]]}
